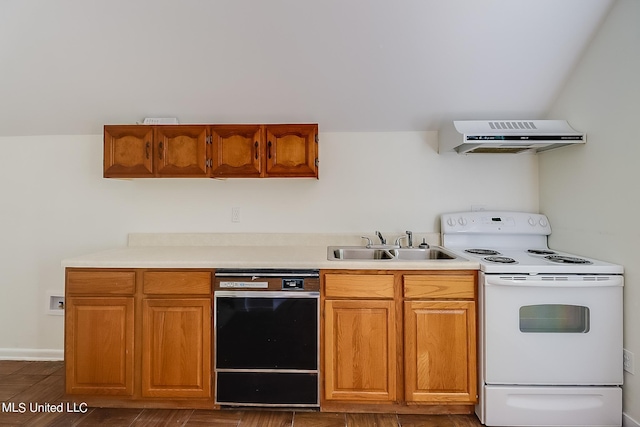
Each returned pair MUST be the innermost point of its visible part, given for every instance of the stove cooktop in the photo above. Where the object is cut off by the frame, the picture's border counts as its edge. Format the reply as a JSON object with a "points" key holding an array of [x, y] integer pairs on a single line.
{"points": [[535, 261], [513, 242]]}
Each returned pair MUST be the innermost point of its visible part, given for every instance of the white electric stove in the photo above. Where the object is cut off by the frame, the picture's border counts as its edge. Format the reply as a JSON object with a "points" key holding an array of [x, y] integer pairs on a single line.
{"points": [[550, 335]]}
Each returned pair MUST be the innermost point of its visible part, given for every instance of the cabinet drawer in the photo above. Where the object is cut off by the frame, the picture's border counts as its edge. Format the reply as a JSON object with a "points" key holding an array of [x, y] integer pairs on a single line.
{"points": [[439, 286], [177, 282], [101, 282], [358, 286]]}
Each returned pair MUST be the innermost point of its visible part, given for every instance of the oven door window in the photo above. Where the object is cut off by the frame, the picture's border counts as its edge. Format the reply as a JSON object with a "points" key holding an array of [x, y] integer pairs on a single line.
{"points": [[554, 318]]}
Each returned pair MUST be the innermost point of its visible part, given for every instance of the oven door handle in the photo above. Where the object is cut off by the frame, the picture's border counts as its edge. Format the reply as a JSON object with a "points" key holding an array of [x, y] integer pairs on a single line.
{"points": [[556, 281]]}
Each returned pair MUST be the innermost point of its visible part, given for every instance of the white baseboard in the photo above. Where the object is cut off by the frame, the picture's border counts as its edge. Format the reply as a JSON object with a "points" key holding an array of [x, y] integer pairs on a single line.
{"points": [[30, 354], [627, 421]]}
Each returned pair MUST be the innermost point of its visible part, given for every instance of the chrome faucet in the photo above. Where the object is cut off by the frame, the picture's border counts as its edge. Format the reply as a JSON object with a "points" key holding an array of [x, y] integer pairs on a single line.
{"points": [[408, 236], [404, 236], [383, 241]]}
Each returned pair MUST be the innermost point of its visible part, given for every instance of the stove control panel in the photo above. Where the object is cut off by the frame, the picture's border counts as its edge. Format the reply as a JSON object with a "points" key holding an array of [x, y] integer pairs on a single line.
{"points": [[495, 222]]}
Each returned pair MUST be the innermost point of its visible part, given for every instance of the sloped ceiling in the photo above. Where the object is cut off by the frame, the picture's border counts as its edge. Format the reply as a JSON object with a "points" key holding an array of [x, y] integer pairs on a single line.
{"points": [[70, 66]]}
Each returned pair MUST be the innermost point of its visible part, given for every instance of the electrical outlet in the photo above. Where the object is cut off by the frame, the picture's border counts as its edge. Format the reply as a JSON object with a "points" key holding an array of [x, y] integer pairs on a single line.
{"points": [[235, 214], [56, 304], [627, 361]]}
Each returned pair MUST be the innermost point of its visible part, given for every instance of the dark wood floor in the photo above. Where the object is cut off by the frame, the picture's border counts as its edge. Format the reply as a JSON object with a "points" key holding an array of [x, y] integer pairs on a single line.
{"points": [[43, 382]]}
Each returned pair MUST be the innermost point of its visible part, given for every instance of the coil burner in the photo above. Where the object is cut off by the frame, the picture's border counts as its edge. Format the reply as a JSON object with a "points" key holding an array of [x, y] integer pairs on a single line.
{"points": [[482, 251], [540, 251], [500, 259], [563, 259]]}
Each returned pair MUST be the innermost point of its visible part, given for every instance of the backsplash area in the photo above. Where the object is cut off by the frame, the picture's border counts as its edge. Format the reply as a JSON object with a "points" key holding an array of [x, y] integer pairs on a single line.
{"points": [[63, 207]]}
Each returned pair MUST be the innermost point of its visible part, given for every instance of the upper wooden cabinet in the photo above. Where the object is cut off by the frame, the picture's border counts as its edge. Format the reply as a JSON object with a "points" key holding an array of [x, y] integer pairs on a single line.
{"points": [[181, 151], [238, 150], [216, 151], [128, 151], [292, 150]]}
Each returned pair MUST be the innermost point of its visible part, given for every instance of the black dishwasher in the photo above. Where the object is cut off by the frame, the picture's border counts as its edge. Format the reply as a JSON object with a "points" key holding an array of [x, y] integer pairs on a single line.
{"points": [[266, 337]]}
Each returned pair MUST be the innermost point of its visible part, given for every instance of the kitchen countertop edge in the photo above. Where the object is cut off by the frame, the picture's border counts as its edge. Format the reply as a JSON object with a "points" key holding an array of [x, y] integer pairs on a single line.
{"points": [[300, 257]]}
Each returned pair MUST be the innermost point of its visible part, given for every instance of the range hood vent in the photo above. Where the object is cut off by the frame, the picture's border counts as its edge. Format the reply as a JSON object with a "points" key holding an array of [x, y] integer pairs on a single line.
{"points": [[508, 136], [512, 125]]}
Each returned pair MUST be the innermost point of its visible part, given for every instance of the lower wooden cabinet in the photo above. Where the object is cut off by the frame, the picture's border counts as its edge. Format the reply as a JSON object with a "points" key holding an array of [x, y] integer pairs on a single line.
{"points": [[176, 343], [142, 336], [99, 345], [360, 350], [439, 351], [401, 339], [392, 341]]}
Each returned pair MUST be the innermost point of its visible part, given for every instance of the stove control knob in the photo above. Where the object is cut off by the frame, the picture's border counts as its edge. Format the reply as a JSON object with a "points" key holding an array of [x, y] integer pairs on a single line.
{"points": [[451, 222], [462, 221], [532, 222], [543, 222]]}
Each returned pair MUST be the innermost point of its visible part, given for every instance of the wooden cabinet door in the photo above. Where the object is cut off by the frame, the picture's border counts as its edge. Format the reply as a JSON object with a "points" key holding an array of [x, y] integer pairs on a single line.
{"points": [[237, 150], [291, 150], [360, 350], [176, 347], [128, 151], [181, 151], [99, 345], [440, 351]]}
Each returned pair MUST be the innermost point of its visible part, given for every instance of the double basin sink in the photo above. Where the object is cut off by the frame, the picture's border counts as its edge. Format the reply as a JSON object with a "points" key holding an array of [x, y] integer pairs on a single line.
{"points": [[362, 253]]}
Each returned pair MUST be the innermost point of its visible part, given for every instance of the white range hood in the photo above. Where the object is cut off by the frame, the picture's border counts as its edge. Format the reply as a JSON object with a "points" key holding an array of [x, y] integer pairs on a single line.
{"points": [[508, 136]]}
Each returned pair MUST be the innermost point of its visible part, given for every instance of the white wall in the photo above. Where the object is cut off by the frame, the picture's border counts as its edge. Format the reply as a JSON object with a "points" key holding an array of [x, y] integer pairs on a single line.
{"points": [[55, 205], [591, 193]]}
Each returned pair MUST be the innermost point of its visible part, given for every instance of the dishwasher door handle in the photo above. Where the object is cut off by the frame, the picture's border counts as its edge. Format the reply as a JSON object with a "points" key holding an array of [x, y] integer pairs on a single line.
{"points": [[257, 273], [268, 294]]}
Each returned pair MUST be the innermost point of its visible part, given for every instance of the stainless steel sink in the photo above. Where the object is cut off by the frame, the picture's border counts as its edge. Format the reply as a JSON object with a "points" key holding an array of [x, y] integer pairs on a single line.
{"points": [[360, 253], [419, 254]]}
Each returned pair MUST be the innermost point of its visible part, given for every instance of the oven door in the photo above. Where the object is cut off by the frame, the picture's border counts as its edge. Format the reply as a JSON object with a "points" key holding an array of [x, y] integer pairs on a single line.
{"points": [[552, 330]]}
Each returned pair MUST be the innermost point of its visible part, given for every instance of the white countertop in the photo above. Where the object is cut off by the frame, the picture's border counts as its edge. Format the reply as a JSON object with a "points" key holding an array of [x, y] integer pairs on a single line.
{"points": [[187, 251]]}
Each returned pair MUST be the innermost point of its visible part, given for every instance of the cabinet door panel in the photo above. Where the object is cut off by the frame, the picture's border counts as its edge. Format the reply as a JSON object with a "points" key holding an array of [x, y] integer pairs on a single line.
{"points": [[432, 286], [99, 345], [360, 350], [177, 282], [237, 150], [291, 150], [440, 349], [101, 282], [181, 151], [128, 151], [358, 285], [176, 347]]}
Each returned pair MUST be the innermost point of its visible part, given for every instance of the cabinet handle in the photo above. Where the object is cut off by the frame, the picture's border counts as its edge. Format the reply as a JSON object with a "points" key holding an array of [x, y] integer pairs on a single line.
{"points": [[160, 151], [256, 150], [269, 149], [147, 149]]}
